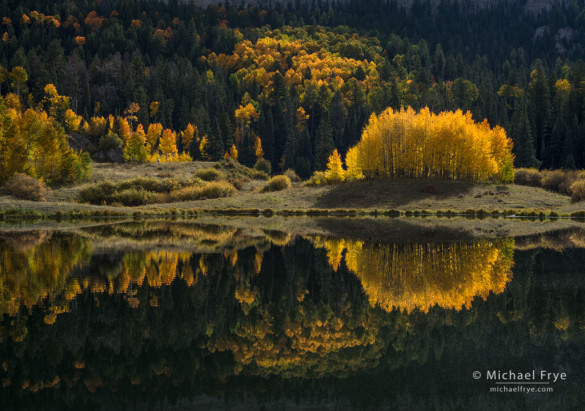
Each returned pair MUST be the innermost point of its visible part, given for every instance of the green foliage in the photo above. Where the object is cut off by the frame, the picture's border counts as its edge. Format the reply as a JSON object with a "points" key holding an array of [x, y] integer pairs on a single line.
{"points": [[312, 87], [110, 141], [263, 166]]}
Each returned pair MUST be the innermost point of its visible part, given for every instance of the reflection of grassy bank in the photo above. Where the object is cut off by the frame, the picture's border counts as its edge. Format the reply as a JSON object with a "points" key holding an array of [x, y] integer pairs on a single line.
{"points": [[159, 230]]}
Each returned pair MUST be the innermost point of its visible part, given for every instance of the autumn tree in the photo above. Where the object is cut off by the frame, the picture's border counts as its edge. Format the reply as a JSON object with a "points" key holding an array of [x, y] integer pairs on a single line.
{"points": [[168, 145], [135, 148], [335, 172]]}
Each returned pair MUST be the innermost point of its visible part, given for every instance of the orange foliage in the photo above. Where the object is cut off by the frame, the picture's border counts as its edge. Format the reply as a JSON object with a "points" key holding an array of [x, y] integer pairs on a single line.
{"points": [[93, 20]]}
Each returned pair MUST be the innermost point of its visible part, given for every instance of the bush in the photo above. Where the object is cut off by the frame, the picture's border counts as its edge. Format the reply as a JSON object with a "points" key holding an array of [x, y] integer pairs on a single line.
{"points": [[100, 193], [150, 184], [26, 188], [110, 141], [317, 179], [277, 183], [578, 191], [292, 175], [528, 177], [132, 197], [217, 189], [559, 181], [263, 165], [209, 174], [259, 175]]}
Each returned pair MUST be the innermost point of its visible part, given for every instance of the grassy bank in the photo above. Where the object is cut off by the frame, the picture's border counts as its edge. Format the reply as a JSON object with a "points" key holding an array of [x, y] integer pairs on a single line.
{"points": [[391, 198]]}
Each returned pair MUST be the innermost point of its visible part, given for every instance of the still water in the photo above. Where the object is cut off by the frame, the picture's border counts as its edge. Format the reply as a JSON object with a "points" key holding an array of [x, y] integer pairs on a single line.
{"points": [[186, 315]]}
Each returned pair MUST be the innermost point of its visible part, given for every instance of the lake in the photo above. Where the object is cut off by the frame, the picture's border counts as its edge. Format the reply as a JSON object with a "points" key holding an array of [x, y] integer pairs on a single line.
{"points": [[197, 315]]}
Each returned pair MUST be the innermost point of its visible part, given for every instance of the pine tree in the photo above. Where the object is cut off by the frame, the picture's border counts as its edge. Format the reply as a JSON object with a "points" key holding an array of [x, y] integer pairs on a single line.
{"points": [[324, 144], [523, 143]]}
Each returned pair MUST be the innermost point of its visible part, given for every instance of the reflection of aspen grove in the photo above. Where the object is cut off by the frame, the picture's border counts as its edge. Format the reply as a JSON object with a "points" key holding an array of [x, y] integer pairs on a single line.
{"points": [[37, 267], [147, 322], [421, 275]]}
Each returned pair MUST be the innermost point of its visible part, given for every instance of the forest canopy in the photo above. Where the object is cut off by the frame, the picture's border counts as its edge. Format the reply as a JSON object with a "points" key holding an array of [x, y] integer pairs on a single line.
{"points": [[292, 84]]}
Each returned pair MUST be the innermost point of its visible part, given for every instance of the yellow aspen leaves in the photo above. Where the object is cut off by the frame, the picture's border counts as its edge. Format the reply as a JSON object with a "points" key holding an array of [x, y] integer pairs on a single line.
{"points": [[397, 144], [135, 148], [233, 154], [168, 145], [187, 136], [258, 151], [335, 172]]}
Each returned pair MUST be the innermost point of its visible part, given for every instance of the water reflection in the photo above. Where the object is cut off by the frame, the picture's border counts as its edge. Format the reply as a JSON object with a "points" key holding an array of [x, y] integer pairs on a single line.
{"points": [[167, 311], [424, 275]]}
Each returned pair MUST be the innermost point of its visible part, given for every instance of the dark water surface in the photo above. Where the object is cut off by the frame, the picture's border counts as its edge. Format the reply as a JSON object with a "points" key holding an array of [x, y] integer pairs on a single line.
{"points": [[183, 315]]}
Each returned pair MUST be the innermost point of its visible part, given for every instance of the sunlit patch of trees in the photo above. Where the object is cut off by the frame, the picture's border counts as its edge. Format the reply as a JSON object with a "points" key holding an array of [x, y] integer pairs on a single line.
{"points": [[407, 144], [419, 276], [33, 141]]}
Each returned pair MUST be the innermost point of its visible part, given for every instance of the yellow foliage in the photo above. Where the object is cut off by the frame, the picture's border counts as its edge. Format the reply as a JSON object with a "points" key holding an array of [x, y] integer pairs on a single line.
{"points": [[423, 275], [187, 136], [168, 145], [447, 145], [233, 154], [258, 151], [335, 172]]}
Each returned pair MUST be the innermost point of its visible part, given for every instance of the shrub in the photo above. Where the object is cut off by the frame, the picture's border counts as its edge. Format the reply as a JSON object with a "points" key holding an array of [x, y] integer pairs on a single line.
{"points": [[100, 193], [528, 177], [317, 179], [263, 165], [132, 197], [217, 189], [209, 174], [277, 183], [292, 175], [110, 141], [150, 184], [26, 188], [559, 181], [578, 191], [259, 175]]}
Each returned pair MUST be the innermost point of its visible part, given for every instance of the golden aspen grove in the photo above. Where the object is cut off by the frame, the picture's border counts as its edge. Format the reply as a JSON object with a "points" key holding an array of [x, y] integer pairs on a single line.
{"points": [[449, 145]]}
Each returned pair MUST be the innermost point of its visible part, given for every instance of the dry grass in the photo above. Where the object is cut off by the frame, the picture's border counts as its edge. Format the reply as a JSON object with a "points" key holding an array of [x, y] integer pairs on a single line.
{"points": [[212, 189], [26, 188], [401, 194]]}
